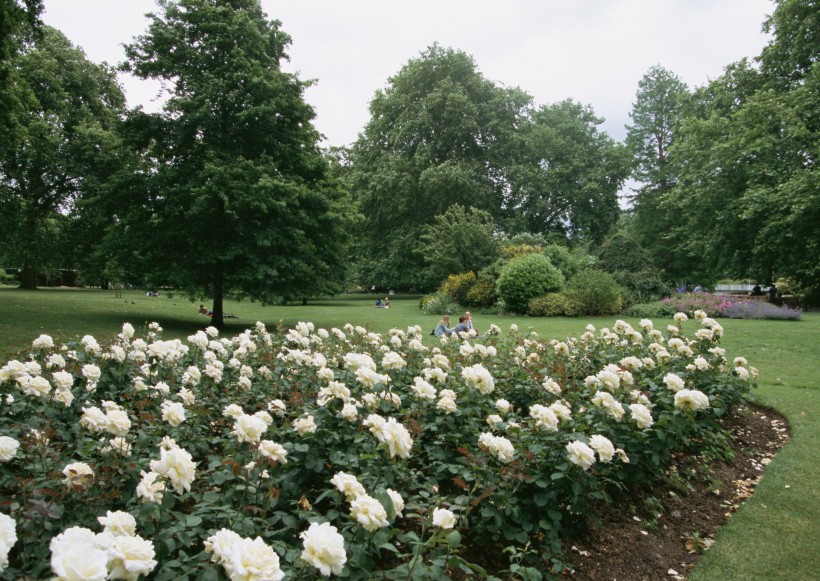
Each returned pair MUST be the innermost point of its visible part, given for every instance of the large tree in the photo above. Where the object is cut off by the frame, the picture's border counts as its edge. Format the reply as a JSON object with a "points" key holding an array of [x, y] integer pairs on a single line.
{"points": [[655, 116], [439, 135], [68, 109], [566, 176], [748, 199], [238, 198], [19, 25]]}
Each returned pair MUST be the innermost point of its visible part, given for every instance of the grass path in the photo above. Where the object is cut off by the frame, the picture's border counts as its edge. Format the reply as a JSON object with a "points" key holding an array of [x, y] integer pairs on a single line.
{"points": [[775, 535]]}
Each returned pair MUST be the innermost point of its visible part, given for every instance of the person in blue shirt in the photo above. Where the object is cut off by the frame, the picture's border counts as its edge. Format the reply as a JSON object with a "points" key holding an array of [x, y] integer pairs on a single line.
{"points": [[462, 326], [442, 328]]}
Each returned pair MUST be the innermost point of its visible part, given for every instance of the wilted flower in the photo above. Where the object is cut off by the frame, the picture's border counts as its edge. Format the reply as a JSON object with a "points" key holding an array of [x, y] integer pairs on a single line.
{"points": [[324, 548], [77, 474]]}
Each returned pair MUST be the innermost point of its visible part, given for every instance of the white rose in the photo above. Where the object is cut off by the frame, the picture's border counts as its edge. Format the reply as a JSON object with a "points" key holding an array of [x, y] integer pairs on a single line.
{"points": [[324, 548], [173, 412], [580, 454], [118, 523], [8, 448], [443, 518], [369, 512]]}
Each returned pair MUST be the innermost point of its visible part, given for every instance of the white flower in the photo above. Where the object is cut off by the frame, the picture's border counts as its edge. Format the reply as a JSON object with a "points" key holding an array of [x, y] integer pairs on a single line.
{"points": [[612, 406], [77, 474], [369, 512], [348, 485], [119, 445], [503, 406], [494, 419], [701, 363], [233, 411], [397, 438], [62, 379], [173, 412], [423, 389], [118, 523], [544, 417], [37, 386], [324, 548], [304, 425], [498, 446], [551, 386], [129, 557], [8, 448], [447, 405], [691, 399], [443, 518], [393, 360], [561, 410], [150, 489], [680, 318], [248, 428], [43, 342], [252, 560], [75, 556], [641, 415], [603, 446], [273, 451], [673, 382], [8, 537], [479, 377], [220, 544], [398, 501], [117, 422], [91, 372], [177, 466], [580, 454]]}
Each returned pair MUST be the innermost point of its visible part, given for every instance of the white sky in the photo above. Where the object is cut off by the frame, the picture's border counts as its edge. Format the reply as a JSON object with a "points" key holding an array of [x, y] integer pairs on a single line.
{"points": [[592, 51]]}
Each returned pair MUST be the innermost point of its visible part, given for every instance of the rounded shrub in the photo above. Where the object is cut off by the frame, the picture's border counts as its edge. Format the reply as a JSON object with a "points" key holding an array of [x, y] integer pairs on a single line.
{"points": [[526, 277], [439, 304], [458, 285], [596, 292], [482, 294], [554, 305]]}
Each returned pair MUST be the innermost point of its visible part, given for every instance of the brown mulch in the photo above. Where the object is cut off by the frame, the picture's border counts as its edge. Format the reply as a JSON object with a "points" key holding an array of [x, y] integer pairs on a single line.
{"points": [[660, 533]]}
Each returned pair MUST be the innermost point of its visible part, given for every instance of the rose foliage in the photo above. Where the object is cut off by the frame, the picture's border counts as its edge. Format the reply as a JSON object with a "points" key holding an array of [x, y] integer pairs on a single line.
{"points": [[307, 452]]}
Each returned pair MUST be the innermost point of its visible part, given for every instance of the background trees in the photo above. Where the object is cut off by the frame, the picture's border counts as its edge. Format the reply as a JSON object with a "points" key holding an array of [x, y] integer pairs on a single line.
{"points": [[56, 151], [237, 197]]}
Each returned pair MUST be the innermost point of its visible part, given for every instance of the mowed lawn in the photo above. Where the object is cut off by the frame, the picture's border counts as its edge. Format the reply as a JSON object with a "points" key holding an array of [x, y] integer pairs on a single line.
{"points": [[776, 535]]}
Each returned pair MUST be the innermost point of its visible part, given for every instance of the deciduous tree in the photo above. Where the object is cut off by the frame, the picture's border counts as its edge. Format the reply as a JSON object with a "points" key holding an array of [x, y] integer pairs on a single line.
{"points": [[238, 198]]}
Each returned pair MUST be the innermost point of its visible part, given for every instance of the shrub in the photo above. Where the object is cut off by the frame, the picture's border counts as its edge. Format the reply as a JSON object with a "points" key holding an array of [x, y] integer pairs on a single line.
{"points": [[482, 294], [596, 292], [439, 304], [458, 285], [656, 310], [512, 251], [623, 253], [643, 286], [554, 305], [526, 277], [688, 303]]}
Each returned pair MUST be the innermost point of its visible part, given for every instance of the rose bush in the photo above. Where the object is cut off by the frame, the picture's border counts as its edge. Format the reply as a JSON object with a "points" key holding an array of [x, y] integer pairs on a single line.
{"points": [[313, 452]]}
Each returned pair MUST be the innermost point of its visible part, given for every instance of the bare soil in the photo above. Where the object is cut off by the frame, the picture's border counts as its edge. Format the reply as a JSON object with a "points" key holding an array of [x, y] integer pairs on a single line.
{"points": [[660, 533]]}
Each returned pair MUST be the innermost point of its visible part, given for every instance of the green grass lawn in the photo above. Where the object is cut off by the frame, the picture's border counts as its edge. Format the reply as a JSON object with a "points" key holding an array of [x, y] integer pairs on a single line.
{"points": [[773, 536]]}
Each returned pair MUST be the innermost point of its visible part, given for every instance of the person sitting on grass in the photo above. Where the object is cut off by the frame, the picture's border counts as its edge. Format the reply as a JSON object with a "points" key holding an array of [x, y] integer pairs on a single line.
{"points": [[442, 328], [462, 329], [203, 310]]}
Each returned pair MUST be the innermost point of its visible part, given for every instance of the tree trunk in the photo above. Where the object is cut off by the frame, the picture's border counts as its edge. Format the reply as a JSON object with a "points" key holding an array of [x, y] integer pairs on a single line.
{"points": [[28, 277], [218, 319]]}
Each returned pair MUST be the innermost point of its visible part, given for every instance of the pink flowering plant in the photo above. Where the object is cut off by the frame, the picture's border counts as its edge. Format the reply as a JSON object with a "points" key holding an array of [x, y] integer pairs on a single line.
{"points": [[308, 452]]}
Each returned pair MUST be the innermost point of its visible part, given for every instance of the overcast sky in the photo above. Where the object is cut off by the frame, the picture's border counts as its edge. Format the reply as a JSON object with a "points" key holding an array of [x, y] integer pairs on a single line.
{"points": [[592, 51]]}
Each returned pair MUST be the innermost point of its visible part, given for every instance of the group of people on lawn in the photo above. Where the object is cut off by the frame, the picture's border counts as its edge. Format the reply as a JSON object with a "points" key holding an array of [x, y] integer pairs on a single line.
{"points": [[465, 325]]}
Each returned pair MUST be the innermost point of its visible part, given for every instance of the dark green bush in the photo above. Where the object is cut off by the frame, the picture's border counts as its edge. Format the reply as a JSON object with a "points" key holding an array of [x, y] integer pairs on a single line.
{"points": [[596, 291], [644, 286], [554, 305], [655, 310], [526, 277]]}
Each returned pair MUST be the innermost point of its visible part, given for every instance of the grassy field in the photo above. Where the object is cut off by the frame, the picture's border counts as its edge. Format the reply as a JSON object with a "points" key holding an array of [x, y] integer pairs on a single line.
{"points": [[774, 536]]}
